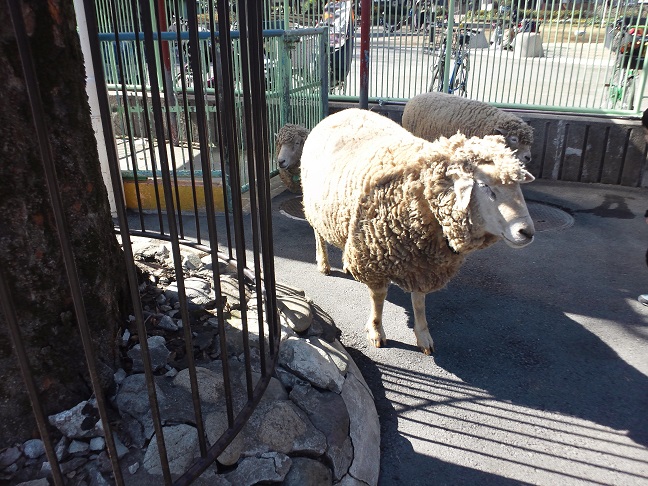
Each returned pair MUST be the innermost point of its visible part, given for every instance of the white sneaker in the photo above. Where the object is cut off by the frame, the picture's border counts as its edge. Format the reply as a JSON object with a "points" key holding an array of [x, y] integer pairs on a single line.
{"points": [[643, 299]]}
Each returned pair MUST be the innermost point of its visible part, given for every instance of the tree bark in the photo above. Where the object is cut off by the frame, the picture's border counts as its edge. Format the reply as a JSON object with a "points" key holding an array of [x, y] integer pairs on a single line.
{"points": [[30, 255]]}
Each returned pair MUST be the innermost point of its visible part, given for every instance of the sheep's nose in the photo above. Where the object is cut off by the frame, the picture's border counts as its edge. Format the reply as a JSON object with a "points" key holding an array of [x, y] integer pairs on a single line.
{"points": [[282, 163], [527, 232], [527, 158]]}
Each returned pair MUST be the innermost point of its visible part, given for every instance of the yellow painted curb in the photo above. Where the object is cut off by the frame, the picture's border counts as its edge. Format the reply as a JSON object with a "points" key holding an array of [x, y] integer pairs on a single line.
{"points": [[184, 194]]}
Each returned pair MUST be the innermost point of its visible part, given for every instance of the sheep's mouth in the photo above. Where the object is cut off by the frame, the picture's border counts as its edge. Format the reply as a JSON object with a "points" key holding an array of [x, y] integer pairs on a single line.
{"points": [[518, 243]]}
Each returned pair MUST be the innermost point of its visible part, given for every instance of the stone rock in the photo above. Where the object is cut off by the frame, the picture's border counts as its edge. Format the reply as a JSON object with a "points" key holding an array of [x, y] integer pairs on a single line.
{"points": [[364, 430], [34, 448], [157, 351], [349, 480], [271, 466], [76, 447], [287, 378], [352, 367], [132, 400], [181, 445], [286, 330], [339, 357], [96, 478], [122, 450], [191, 261], [35, 482], [146, 250], [229, 287], [324, 324], [167, 324], [97, 444], [328, 413], [234, 332], [210, 384], [79, 422], [197, 290], [119, 376], [215, 425], [73, 464], [310, 363], [8, 456], [61, 448], [285, 289], [308, 472], [297, 310], [281, 426], [206, 270]]}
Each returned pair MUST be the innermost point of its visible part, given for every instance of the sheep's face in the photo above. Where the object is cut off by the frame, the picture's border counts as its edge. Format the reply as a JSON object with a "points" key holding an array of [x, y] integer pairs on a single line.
{"points": [[290, 152], [500, 208], [522, 150]]}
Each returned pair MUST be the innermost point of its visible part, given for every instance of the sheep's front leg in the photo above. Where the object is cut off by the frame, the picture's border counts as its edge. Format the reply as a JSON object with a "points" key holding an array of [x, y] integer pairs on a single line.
{"points": [[375, 332], [321, 254], [421, 331]]}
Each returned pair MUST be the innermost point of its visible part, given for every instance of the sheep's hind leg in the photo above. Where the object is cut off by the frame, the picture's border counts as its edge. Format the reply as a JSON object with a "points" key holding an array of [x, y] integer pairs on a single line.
{"points": [[375, 331], [421, 331], [321, 254]]}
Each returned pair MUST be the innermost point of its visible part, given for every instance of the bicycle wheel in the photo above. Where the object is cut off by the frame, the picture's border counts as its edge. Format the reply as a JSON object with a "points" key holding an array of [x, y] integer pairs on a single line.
{"points": [[437, 77], [460, 81]]}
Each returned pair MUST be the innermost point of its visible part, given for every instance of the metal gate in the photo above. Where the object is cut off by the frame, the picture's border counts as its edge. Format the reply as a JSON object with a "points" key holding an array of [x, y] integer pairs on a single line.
{"points": [[202, 286]]}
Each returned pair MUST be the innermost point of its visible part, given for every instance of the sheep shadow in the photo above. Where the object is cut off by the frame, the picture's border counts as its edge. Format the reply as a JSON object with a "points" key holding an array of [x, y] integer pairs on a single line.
{"points": [[529, 353]]}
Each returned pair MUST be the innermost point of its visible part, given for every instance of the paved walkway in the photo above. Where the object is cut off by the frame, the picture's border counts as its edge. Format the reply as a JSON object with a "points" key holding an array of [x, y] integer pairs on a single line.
{"points": [[541, 371]]}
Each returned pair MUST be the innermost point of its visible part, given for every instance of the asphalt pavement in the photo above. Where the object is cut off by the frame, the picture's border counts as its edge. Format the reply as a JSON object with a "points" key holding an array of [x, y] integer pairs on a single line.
{"points": [[540, 374], [541, 368]]}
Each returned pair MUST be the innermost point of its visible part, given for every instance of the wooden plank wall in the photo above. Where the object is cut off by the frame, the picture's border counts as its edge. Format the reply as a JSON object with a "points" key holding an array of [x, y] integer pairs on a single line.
{"points": [[573, 148]]}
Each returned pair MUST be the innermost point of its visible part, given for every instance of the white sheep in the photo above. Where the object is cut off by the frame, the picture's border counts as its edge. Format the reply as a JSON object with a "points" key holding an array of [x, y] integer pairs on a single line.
{"points": [[405, 210], [289, 144], [434, 115]]}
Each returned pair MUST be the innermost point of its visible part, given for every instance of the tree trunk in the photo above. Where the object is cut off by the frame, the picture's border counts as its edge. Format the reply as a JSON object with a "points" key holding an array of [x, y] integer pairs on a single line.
{"points": [[30, 256]]}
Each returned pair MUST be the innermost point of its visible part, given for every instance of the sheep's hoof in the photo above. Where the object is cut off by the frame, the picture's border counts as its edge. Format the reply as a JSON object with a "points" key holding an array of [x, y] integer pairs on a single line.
{"points": [[428, 351], [325, 269], [378, 342], [425, 343]]}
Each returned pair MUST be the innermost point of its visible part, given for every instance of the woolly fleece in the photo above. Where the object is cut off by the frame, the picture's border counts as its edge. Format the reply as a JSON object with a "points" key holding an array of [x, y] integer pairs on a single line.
{"points": [[386, 197], [434, 115]]}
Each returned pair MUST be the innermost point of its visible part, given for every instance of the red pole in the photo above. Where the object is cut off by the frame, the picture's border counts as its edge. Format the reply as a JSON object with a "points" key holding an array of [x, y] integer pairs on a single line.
{"points": [[365, 26], [161, 12]]}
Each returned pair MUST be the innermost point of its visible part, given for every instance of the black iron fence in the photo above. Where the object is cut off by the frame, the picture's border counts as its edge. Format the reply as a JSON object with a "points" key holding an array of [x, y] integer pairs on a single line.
{"points": [[200, 341]]}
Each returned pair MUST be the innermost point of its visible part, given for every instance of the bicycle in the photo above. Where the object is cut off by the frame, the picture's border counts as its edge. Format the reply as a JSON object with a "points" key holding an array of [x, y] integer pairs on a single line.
{"points": [[621, 88], [630, 59], [458, 79]]}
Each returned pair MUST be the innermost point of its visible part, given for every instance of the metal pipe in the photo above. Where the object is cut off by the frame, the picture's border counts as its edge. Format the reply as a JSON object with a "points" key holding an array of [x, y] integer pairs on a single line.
{"points": [[365, 28]]}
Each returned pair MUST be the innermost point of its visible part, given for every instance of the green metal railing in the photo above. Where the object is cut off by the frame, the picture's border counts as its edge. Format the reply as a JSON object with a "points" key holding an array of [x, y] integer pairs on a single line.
{"points": [[566, 64], [296, 90], [570, 60]]}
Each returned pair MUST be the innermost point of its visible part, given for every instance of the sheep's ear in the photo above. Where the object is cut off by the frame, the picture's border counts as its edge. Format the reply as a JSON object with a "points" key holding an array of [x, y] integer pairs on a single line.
{"points": [[463, 189], [500, 131], [527, 177]]}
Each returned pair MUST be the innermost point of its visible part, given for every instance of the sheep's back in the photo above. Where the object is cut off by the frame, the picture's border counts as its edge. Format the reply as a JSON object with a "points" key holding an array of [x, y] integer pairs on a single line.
{"points": [[432, 115]]}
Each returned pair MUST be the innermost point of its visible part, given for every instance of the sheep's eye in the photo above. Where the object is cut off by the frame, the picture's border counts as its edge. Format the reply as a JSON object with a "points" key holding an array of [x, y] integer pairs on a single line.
{"points": [[513, 140], [489, 192]]}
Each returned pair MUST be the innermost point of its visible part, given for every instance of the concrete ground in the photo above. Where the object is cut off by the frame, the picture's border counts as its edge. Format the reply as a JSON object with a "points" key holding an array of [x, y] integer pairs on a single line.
{"points": [[541, 369]]}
